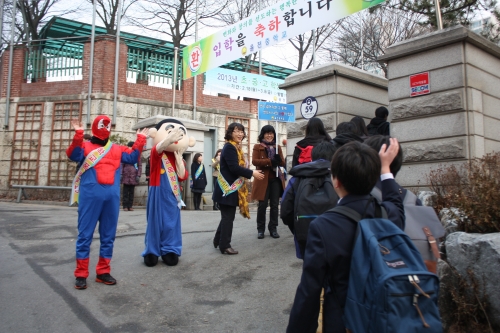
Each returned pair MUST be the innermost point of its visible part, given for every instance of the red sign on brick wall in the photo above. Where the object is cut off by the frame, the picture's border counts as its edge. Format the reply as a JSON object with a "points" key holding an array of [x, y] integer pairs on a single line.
{"points": [[420, 84]]}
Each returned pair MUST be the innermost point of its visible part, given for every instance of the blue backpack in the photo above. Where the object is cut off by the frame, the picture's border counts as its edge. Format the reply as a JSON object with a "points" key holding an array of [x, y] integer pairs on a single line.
{"points": [[390, 289]]}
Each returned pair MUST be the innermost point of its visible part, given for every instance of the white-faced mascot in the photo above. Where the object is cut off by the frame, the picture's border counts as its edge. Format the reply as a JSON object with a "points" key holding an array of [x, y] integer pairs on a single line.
{"points": [[167, 168]]}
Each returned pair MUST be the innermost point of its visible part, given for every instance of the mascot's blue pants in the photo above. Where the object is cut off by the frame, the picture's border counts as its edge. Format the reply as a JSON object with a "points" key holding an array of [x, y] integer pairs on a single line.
{"points": [[97, 203], [163, 231]]}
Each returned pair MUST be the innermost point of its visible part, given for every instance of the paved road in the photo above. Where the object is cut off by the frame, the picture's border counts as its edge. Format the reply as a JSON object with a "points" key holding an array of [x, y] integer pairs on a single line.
{"points": [[206, 292]]}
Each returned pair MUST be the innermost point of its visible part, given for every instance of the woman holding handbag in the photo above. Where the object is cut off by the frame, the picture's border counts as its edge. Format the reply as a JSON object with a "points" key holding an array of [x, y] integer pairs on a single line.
{"points": [[268, 157], [199, 179]]}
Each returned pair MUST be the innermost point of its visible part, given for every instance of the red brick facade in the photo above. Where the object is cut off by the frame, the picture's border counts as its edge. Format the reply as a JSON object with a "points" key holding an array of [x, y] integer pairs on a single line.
{"points": [[103, 81]]}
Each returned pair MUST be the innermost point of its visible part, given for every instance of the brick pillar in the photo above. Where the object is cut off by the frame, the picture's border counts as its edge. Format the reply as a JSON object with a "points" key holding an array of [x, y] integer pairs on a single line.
{"points": [[17, 72], [254, 106], [188, 91], [104, 65]]}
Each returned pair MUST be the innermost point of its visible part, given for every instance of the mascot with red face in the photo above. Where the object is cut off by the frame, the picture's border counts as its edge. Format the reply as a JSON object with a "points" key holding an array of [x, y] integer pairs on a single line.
{"points": [[163, 232], [96, 189]]}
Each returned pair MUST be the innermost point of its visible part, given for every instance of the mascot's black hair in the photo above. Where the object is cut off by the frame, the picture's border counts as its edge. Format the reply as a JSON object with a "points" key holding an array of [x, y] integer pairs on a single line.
{"points": [[169, 120]]}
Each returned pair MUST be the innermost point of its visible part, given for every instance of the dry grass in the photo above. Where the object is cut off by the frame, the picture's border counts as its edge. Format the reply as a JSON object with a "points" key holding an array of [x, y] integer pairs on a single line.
{"points": [[474, 189]]}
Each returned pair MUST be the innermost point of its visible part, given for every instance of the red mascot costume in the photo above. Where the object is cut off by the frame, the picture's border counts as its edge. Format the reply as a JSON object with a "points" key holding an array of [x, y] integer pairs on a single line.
{"points": [[96, 189]]}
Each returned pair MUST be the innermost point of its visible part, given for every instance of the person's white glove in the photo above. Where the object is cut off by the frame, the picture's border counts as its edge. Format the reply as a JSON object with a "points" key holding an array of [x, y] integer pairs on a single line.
{"points": [[174, 135]]}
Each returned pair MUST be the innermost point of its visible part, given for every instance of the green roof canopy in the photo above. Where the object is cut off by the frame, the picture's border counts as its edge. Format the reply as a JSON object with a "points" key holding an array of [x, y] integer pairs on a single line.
{"points": [[60, 31]]}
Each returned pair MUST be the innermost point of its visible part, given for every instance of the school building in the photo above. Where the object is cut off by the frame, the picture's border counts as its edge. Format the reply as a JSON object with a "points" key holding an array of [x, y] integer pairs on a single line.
{"points": [[51, 83]]}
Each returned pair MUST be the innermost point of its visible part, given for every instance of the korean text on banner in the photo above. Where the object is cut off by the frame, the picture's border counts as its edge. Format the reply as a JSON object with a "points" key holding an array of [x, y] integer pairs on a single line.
{"points": [[277, 23], [276, 112], [249, 85]]}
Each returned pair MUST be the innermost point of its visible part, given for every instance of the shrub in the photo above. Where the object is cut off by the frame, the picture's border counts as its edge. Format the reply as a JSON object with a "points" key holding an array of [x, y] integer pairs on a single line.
{"points": [[474, 189], [466, 311]]}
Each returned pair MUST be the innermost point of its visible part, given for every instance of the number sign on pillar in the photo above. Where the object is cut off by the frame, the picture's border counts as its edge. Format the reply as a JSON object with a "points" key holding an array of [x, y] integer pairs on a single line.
{"points": [[309, 107]]}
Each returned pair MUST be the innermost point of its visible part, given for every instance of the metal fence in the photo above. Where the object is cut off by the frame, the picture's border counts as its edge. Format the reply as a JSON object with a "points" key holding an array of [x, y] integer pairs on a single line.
{"points": [[156, 69], [61, 63]]}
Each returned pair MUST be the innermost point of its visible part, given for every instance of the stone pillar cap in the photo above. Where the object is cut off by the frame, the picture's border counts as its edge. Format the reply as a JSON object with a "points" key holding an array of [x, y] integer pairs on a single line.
{"points": [[331, 69], [437, 39]]}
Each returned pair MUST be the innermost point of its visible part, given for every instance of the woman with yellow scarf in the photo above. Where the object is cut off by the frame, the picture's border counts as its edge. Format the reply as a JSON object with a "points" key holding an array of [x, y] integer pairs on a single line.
{"points": [[231, 191]]}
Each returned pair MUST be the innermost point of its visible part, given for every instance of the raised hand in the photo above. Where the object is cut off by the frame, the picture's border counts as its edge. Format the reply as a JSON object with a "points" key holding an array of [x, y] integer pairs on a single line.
{"points": [[144, 131], [77, 124], [387, 155], [174, 135]]}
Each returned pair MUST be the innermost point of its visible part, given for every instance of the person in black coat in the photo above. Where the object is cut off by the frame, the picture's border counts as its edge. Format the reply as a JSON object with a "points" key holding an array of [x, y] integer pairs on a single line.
{"points": [[355, 169], [199, 179], [315, 134], [379, 124], [231, 191]]}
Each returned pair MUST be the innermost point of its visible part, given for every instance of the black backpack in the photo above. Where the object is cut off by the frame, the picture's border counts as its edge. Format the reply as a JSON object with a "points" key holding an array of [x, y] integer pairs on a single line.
{"points": [[314, 196]]}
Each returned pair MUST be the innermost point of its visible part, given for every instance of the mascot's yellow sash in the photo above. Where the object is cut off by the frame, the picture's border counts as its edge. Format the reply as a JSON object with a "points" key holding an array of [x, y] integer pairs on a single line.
{"points": [[173, 180], [92, 158]]}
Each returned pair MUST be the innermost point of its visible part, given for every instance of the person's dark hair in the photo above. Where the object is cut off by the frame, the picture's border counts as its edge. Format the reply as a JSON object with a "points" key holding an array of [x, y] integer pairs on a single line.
{"points": [[88, 137], [360, 126], [323, 151], [357, 167], [381, 112], [130, 143], [217, 152], [346, 127], [264, 130], [376, 142], [195, 158], [315, 128], [229, 132]]}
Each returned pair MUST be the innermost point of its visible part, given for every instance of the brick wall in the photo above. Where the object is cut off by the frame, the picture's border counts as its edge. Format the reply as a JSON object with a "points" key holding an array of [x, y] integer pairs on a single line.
{"points": [[103, 81], [17, 72], [39, 89]]}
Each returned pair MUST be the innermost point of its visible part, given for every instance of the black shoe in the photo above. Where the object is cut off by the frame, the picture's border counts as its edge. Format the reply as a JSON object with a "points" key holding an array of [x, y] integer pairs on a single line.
{"points": [[229, 250], [105, 278], [274, 234], [170, 259], [150, 260], [215, 208], [260, 235], [216, 244], [81, 283]]}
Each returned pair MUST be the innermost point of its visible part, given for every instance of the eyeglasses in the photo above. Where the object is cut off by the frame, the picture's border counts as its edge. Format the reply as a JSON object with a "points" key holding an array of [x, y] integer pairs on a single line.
{"points": [[237, 131]]}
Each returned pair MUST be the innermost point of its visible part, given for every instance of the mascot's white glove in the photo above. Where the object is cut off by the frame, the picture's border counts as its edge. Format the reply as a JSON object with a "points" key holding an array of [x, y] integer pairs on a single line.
{"points": [[179, 163], [173, 136]]}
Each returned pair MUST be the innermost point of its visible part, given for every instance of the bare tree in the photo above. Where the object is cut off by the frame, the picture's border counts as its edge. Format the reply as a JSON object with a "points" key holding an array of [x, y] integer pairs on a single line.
{"points": [[491, 30], [303, 43], [175, 18], [107, 10], [31, 16], [452, 11], [363, 37]]}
